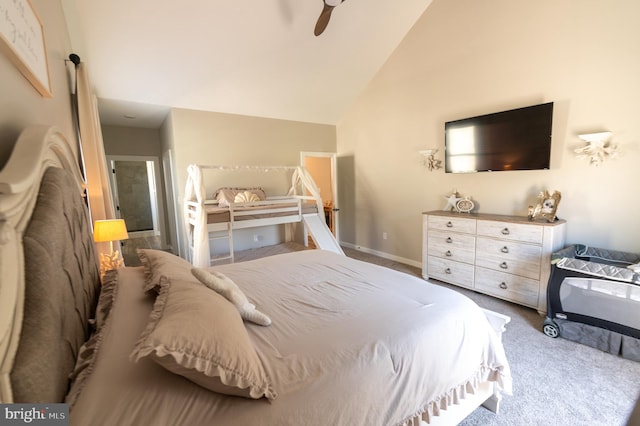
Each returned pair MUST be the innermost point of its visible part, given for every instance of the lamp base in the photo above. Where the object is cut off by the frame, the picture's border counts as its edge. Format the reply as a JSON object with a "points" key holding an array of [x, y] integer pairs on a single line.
{"points": [[110, 261]]}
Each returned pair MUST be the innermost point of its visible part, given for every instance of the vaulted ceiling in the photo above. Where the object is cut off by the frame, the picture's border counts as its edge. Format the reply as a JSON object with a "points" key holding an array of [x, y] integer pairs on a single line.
{"points": [[256, 58]]}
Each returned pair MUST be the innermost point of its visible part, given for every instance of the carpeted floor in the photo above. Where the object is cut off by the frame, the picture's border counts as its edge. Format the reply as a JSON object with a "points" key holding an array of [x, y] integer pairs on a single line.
{"points": [[556, 381]]}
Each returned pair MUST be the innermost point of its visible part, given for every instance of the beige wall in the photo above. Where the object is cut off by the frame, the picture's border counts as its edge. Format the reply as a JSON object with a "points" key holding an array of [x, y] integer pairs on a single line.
{"points": [[120, 140], [466, 57], [211, 138], [20, 104]]}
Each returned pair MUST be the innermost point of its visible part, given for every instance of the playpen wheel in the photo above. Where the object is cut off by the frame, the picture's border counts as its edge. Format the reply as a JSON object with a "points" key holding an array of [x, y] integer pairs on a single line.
{"points": [[551, 330]]}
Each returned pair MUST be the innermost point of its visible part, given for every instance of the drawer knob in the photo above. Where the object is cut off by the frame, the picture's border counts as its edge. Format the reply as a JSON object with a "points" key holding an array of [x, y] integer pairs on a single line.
{"points": [[449, 240], [505, 249], [449, 224], [504, 265], [505, 231], [447, 271], [503, 285], [448, 253]]}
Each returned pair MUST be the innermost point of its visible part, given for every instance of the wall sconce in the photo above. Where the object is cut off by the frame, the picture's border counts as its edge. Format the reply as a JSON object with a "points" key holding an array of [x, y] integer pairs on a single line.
{"points": [[429, 160], [598, 147], [109, 231]]}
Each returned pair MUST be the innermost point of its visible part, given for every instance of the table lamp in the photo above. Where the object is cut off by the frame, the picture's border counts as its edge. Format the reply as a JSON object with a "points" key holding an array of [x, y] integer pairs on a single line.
{"points": [[109, 231]]}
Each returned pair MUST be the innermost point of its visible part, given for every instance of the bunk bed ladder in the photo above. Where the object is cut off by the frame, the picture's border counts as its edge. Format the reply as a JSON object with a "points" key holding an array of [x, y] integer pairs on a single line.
{"points": [[226, 234], [321, 234]]}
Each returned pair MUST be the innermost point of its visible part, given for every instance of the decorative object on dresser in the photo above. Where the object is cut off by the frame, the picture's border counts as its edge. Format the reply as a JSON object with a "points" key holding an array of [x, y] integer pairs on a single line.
{"points": [[458, 203], [465, 205], [504, 256], [546, 207], [452, 200]]}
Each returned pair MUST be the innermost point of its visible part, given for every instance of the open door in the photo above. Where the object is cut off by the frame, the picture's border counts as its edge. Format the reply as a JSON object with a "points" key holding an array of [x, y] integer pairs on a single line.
{"points": [[323, 169], [134, 182]]}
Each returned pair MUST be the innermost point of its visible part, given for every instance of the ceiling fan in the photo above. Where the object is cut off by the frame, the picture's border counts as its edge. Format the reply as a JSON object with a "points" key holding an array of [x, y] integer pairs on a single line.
{"points": [[325, 15]]}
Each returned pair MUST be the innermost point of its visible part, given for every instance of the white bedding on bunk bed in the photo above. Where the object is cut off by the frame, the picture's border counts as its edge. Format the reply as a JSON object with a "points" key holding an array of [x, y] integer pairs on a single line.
{"points": [[350, 343]]}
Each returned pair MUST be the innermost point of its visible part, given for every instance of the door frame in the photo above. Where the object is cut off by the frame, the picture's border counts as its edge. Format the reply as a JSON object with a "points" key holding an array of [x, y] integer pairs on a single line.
{"points": [[157, 209], [334, 183]]}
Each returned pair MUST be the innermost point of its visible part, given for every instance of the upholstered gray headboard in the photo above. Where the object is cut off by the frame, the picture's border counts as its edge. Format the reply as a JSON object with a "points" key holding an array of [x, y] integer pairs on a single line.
{"points": [[51, 280], [61, 290]]}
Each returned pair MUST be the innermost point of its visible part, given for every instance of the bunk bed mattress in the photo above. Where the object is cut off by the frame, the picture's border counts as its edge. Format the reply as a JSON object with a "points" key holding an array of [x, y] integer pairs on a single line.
{"points": [[217, 214], [350, 343]]}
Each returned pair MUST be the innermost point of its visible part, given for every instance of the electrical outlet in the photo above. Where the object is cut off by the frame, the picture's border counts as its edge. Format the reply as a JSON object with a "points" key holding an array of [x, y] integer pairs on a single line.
{"points": [[384, 235]]}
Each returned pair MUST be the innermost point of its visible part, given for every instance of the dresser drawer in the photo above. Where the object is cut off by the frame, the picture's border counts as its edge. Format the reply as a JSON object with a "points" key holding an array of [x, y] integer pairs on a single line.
{"points": [[506, 286], [510, 231], [451, 272], [452, 246], [508, 256], [456, 224]]}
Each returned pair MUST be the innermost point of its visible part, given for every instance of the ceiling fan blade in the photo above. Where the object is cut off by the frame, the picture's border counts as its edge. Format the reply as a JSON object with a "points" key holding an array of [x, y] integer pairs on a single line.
{"points": [[323, 19]]}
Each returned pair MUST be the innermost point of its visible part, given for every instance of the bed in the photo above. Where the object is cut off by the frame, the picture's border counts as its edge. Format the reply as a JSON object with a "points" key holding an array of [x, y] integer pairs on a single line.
{"points": [[214, 215], [348, 342]]}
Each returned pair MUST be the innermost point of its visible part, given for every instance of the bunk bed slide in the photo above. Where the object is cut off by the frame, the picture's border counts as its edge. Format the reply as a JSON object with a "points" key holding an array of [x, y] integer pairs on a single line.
{"points": [[208, 219]]}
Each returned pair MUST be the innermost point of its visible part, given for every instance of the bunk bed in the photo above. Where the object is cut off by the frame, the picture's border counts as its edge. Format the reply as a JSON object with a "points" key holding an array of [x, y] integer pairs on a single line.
{"points": [[215, 215]]}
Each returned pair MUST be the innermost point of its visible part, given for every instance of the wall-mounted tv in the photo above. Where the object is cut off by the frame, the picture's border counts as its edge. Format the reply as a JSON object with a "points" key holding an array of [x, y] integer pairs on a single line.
{"points": [[518, 139]]}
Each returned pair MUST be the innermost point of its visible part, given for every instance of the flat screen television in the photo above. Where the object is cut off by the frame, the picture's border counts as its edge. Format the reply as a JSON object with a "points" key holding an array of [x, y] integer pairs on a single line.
{"points": [[518, 139]]}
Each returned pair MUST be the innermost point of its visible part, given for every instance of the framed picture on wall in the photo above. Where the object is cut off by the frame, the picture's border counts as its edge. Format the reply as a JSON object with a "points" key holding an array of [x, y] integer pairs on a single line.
{"points": [[22, 41]]}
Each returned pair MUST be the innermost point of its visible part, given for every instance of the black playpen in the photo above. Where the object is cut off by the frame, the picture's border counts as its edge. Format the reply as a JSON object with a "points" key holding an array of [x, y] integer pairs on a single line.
{"points": [[593, 297]]}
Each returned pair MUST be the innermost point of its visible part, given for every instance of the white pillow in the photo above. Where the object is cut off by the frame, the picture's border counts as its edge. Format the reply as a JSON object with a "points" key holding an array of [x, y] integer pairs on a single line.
{"points": [[223, 285]]}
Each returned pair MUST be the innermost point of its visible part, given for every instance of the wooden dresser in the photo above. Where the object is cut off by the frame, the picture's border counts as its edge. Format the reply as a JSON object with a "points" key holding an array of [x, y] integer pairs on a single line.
{"points": [[503, 256]]}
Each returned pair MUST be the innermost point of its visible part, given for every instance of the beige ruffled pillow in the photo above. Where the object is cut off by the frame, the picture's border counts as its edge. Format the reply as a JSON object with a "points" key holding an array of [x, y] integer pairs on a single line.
{"points": [[158, 263], [196, 333]]}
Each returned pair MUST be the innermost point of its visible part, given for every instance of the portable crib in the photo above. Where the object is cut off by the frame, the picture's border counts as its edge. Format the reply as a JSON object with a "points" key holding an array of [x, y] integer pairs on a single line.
{"points": [[593, 298]]}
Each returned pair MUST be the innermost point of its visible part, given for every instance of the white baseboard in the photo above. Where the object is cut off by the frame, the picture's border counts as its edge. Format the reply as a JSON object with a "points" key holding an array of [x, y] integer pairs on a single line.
{"points": [[404, 260]]}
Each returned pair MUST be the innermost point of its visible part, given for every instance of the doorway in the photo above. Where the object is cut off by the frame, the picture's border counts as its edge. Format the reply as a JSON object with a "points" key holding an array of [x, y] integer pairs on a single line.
{"points": [[134, 182], [323, 170]]}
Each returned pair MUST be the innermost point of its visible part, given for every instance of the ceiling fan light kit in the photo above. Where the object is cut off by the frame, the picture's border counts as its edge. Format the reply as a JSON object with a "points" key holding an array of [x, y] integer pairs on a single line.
{"points": [[325, 15]]}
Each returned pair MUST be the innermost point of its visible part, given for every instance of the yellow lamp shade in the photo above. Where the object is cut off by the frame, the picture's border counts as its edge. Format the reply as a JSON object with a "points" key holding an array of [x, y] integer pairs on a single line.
{"points": [[109, 230]]}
